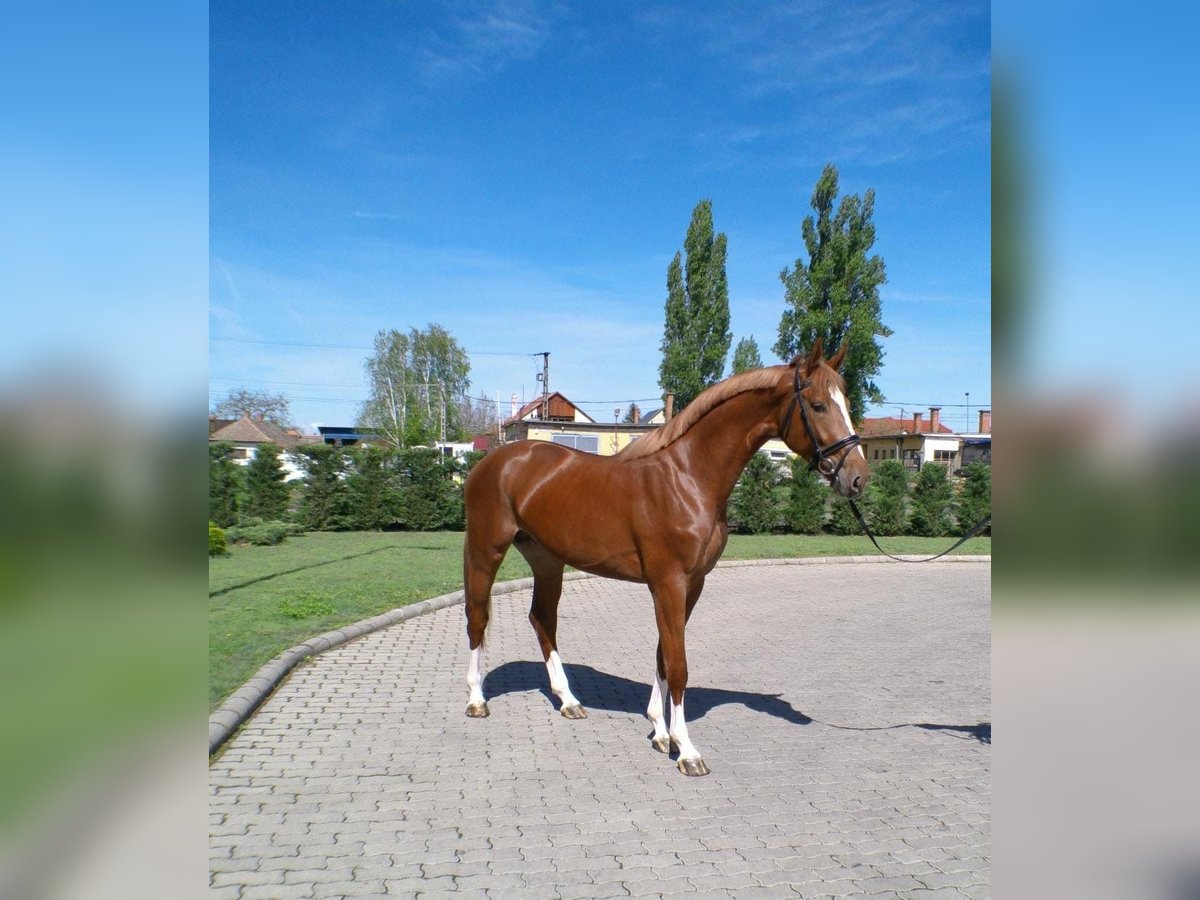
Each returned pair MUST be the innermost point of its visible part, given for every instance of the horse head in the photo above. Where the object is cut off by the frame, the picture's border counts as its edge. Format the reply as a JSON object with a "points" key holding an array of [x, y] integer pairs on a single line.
{"points": [[816, 421]]}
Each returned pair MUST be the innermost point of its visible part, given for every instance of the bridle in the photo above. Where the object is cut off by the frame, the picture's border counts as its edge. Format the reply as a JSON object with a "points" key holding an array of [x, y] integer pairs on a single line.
{"points": [[823, 457]]}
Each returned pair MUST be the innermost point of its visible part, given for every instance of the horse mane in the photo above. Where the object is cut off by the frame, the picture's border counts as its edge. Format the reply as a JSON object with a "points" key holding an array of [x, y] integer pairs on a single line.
{"points": [[665, 435]]}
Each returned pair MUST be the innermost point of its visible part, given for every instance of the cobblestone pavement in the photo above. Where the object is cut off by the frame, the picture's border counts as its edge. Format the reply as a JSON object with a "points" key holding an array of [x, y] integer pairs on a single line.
{"points": [[844, 711]]}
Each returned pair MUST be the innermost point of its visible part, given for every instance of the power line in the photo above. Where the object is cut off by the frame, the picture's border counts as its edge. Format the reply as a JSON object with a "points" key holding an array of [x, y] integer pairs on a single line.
{"points": [[341, 346], [288, 383], [985, 404], [631, 400]]}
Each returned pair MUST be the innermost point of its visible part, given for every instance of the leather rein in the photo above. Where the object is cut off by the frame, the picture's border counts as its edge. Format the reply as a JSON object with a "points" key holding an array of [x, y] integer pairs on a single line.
{"points": [[823, 455]]}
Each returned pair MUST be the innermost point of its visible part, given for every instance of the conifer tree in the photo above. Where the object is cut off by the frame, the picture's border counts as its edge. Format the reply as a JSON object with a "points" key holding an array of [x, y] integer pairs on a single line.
{"points": [[696, 333], [266, 491], [975, 498], [428, 497], [807, 497], [753, 504], [371, 487], [886, 503], [324, 497], [224, 484], [931, 501]]}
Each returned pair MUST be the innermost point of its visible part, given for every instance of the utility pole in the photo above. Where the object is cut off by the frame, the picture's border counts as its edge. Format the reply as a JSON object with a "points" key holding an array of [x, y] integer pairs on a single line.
{"points": [[968, 428], [544, 378]]}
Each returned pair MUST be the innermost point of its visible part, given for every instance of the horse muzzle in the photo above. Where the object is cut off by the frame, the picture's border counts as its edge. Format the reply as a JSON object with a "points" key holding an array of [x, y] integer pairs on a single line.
{"points": [[850, 478]]}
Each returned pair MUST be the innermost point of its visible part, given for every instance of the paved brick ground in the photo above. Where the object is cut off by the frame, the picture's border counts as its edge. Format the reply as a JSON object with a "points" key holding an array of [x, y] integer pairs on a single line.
{"points": [[844, 710]]}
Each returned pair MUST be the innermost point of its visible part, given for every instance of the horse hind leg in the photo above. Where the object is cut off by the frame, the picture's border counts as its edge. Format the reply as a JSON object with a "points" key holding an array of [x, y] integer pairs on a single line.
{"points": [[482, 555], [543, 616]]}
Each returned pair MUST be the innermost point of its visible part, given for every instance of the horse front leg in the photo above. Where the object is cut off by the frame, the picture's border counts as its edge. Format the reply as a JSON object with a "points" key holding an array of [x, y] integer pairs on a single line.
{"points": [[672, 604], [660, 740]]}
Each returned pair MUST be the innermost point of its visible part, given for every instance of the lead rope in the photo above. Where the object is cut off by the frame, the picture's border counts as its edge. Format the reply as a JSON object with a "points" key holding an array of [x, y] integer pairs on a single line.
{"points": [[975, 529], [820, 454]]}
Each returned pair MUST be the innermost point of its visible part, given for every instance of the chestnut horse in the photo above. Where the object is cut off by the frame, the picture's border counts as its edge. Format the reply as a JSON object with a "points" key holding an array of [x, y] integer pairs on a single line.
{"points": [[654, 513]]}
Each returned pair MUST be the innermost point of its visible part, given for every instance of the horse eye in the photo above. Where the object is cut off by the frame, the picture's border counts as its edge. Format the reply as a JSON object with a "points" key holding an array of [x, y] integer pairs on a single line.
{"points": [[819, 407]]}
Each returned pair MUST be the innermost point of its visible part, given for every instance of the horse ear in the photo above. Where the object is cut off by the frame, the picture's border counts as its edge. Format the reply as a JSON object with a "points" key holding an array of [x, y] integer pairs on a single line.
{"points": [[815, 355], [835, 361]]}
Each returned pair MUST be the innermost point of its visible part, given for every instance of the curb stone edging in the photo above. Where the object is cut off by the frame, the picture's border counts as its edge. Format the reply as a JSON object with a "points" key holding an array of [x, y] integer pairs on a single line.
{"points": [[237, 708]]}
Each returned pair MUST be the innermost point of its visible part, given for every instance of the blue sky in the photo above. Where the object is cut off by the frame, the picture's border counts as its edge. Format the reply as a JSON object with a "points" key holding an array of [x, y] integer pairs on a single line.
{"points": [[522, 174]]}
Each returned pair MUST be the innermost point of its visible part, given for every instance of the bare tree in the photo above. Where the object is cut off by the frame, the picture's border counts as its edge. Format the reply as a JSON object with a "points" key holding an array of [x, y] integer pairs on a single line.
{"points": [[273, 408]]}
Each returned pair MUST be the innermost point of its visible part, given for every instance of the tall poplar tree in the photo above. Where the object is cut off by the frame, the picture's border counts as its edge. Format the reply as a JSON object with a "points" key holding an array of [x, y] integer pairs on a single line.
{"points": [[696, 333], [835, 294]]}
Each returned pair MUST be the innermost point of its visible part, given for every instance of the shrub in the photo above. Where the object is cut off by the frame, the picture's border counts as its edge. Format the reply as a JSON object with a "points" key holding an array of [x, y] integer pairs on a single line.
{"points": [[975, 498], [217, 543], [289, 528], [754, 505], [886, 501], [469, 460], [807, 497], [931, 502], [260, 533], [841, 519]]}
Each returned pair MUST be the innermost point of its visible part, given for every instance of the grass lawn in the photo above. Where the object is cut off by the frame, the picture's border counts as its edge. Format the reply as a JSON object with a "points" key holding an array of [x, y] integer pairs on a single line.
{"points": [[263, 600]]}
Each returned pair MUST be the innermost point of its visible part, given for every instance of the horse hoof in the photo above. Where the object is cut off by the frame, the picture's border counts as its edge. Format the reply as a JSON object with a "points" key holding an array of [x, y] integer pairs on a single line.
{"points": [[574, 712], [662, 745], [693, 766], [478, 711]]}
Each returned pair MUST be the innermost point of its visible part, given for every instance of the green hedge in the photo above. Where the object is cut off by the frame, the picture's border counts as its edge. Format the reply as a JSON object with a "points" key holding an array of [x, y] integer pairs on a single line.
{"points": [[371, 488], [419, 489]]}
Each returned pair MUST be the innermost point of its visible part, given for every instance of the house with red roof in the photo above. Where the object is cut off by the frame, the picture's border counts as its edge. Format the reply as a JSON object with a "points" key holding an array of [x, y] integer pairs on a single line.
{"points": [[917, 440], [247, 434], [914, 440]]}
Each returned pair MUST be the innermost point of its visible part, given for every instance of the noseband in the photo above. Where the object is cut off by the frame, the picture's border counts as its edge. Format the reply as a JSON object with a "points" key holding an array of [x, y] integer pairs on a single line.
{"points": [[822, 458]]}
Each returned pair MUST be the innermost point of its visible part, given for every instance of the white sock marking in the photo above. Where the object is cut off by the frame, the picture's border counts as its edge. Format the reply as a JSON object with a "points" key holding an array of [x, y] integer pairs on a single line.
{"points": [[679, 733], [475, 678], [654, 712], [558, 680]]}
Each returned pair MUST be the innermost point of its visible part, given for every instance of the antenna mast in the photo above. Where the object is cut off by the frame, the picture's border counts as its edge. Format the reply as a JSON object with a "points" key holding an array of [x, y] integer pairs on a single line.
{"points": [[544, 378]]}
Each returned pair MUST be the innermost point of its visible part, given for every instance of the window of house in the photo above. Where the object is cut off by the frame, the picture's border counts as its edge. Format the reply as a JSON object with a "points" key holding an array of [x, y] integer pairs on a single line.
{"points": [[585, 442], [943, 455]]}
